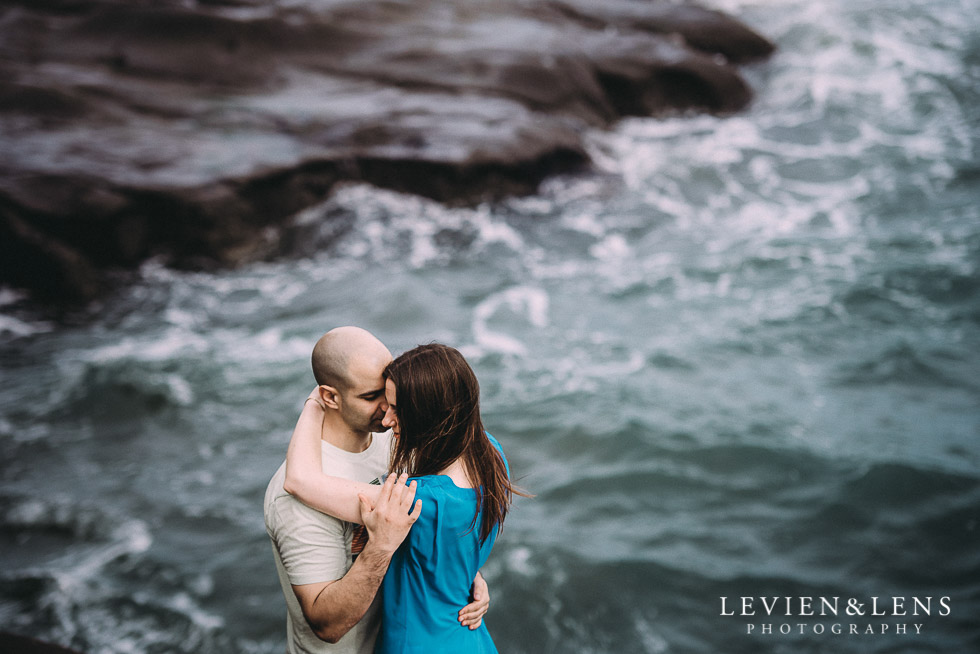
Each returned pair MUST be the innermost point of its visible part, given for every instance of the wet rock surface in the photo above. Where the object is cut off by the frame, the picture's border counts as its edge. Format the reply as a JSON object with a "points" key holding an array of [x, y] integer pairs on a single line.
{"points": [[187, 129], [15, 644]]}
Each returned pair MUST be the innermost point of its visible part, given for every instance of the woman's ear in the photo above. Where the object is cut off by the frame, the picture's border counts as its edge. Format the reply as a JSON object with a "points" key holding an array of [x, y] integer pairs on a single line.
{"points": [[330, 396]]}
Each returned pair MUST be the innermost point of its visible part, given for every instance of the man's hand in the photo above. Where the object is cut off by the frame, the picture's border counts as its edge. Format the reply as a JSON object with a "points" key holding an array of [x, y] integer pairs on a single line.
{"points": [[472, 614], [389, 520], [333, 608]]}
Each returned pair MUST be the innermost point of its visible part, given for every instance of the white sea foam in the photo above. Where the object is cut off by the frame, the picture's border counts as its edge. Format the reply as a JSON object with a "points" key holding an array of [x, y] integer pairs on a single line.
{"points": [[519, 561], [268, 345], [653, 643], [10, 296], [31, 433], [528, 302], [170, 345], [76, 569], [409, 230], [73, 570], [612, 247], [30, 511], [186, 605], [17, 328]]}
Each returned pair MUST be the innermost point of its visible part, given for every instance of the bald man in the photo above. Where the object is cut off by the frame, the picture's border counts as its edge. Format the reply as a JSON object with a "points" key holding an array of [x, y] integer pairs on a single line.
{"points": [[329, 582]]}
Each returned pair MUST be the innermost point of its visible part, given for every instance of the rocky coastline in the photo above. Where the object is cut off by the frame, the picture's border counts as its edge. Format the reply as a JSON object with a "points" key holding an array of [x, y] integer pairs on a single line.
{"points": [[193, 131]]}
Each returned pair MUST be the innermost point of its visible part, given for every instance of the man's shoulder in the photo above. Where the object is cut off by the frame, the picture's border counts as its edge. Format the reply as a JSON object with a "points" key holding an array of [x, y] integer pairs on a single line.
{"points": [[274, 488]]}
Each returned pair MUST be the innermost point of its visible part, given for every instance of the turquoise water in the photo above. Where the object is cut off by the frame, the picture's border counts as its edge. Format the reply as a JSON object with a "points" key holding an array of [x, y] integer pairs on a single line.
{"points": [[740, 359]]}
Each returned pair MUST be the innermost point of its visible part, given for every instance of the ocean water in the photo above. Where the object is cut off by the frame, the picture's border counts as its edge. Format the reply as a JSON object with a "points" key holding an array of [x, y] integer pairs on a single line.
{"points": [[740, 359]]}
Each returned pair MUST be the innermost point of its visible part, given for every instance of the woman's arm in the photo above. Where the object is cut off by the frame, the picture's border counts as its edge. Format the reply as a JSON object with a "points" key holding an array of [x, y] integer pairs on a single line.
{"points": [[305, 480]]}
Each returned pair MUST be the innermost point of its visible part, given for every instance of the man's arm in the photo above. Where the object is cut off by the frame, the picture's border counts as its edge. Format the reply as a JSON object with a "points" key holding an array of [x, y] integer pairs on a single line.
{"points": [[332, 608]]}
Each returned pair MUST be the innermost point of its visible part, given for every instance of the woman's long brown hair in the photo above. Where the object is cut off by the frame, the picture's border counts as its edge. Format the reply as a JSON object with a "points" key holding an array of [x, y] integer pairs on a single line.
{"points": [[437, 399]]}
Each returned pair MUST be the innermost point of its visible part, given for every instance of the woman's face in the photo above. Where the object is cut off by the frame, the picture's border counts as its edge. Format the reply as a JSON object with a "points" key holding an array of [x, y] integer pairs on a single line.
{"points": [[391, 416]]}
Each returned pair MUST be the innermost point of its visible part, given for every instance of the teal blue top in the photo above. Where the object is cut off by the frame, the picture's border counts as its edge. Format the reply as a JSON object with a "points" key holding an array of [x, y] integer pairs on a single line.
{"points": [[431, 574]]}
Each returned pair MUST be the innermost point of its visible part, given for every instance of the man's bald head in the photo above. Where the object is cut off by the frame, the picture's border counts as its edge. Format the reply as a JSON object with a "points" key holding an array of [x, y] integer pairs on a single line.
{"points": [[342, 353]]}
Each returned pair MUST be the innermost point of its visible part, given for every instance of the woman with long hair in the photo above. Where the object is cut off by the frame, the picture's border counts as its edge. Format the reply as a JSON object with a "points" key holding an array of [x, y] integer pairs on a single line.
{"points": [[459, 475]]}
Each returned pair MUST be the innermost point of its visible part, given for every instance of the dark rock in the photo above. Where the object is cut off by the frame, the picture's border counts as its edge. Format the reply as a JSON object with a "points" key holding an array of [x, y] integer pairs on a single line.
{"points": [[14, 644], [702, 29], [185, 130]]}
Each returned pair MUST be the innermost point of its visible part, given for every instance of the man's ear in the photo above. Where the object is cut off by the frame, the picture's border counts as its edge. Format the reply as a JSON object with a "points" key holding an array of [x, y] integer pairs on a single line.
{"points": [[330, 396]]}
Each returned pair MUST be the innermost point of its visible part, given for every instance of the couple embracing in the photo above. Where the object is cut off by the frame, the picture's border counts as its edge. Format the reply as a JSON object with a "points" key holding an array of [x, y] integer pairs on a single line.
{"points": [[429, 525]]}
